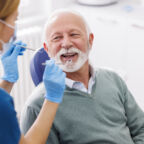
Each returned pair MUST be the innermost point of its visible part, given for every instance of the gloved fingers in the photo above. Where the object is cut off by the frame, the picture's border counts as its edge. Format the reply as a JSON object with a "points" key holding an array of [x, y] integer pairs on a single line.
{"points": [[9, 51], [20, 43], [21, 54], [55, 68], [59, 70], [50, 62], [52, 71], [49, 66], [23, 49], [12, 47], [54, 81], [61, 76], [63, 79], [18, 50]]}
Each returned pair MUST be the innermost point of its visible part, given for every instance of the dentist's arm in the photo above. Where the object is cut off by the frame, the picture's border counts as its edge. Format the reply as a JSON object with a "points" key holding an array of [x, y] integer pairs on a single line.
{"points": [[54, 80], [39, 131], [7, 86], [10, 65]]}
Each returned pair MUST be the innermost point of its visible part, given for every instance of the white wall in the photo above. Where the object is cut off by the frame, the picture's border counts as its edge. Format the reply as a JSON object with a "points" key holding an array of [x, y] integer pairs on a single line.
{"points": [[121, 47]]}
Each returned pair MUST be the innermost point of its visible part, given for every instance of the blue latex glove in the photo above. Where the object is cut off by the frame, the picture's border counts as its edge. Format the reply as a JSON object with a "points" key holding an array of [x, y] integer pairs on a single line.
{"points": [[9, 61], [54, 81]]}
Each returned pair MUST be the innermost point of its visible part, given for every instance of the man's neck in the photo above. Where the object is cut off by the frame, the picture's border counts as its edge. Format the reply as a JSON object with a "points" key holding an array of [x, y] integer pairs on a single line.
{"points": [[82, 75]]}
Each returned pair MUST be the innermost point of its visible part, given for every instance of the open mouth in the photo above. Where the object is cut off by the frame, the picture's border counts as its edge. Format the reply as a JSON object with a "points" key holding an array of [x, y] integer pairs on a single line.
{"points": [[69, 56]]}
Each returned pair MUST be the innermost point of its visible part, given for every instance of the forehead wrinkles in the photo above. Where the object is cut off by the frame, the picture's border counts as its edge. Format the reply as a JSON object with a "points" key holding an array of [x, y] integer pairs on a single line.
{"points": [[65, 22]]}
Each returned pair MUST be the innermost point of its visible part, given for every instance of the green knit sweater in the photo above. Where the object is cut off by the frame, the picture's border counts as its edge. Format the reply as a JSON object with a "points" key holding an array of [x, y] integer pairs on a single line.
{"points": [[109, 115]]}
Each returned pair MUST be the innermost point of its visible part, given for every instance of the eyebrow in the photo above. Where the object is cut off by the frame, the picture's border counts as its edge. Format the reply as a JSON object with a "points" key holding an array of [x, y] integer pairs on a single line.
{"points": [[75, 30], [59, 33], [56, 33]]}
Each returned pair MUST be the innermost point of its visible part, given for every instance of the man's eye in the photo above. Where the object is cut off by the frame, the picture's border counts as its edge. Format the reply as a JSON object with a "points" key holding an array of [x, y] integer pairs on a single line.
{"points": [[74, 34], [57, 37]]}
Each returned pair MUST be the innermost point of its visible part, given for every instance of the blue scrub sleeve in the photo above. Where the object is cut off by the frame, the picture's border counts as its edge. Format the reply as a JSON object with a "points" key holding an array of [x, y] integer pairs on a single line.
{"points": [[9, 128]]}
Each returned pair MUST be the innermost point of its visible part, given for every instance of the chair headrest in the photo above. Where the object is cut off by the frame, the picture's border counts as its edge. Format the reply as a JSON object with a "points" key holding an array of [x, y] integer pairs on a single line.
{"points": [[36, 66]]}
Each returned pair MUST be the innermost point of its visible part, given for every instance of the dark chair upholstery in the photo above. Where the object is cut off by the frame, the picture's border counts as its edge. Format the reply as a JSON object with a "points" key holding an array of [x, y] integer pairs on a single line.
{"points": [[36, 65]]}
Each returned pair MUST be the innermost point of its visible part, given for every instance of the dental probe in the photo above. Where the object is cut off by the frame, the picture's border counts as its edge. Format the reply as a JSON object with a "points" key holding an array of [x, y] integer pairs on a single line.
{"points": [[26, 47], [69, 61]]}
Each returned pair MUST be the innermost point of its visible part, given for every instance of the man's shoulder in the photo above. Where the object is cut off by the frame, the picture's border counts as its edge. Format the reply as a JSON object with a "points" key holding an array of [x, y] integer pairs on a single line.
{"points": [[112, 77], [109, 72], [37, 97]]}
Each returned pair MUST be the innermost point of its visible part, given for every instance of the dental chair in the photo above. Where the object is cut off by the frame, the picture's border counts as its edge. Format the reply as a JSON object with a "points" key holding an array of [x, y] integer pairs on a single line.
{"points": [[36, 65]]}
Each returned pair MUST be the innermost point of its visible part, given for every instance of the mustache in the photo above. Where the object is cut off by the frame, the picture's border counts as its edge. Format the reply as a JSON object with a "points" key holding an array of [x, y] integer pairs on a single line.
{"points": [[70, 50]]}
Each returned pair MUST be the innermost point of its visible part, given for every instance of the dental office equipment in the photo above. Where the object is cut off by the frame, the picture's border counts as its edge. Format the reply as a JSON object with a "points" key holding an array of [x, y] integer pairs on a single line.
{"points": [[28, 48], [69, 61], [55, 63]]}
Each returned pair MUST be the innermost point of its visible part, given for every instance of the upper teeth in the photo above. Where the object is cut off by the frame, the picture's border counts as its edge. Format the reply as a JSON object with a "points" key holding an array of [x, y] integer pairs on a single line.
{"points": [[68, 54]]}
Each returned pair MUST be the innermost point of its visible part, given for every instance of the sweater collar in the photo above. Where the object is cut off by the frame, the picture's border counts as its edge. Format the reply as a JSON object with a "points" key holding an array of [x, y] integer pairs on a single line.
{"points": [[70, 83]]}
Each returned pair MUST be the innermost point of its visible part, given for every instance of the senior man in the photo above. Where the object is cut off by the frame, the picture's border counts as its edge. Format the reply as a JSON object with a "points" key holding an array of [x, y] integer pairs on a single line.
{"points": [[97, 106]]}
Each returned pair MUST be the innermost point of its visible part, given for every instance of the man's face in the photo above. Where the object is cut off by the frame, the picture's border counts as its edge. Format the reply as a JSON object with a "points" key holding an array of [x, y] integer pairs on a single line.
{"points": [[67, 41]]}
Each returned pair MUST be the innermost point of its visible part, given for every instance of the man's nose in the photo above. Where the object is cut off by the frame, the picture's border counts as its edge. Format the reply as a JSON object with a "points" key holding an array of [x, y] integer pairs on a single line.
{"points": [[66, 43]]}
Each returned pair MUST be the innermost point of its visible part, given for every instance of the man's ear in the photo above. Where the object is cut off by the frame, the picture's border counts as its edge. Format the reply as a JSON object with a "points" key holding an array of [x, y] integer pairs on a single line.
{"points": [[91, 38], [45, 47]]}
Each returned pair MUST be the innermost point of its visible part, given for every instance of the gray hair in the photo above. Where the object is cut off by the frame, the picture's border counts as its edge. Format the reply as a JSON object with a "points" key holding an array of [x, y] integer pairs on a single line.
{"points": [[59, 11]]}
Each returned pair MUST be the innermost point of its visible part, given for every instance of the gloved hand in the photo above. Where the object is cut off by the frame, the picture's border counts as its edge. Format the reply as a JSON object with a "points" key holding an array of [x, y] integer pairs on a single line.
{"points": [[54, 81], [9, 61]]}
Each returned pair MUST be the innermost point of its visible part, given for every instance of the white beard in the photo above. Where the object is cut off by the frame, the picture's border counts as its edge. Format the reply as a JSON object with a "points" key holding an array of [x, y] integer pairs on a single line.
{"points": [[70, 66]]}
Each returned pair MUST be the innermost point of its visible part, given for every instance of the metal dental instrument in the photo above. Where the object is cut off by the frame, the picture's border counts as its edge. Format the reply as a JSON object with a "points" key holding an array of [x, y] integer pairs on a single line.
{"points": [[55, 63], [29, 48], [26, 47], [69, 61]]}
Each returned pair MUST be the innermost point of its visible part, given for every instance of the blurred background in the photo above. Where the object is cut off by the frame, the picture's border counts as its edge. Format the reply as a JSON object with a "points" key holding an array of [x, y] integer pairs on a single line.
{"points": [[118, 27]]}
